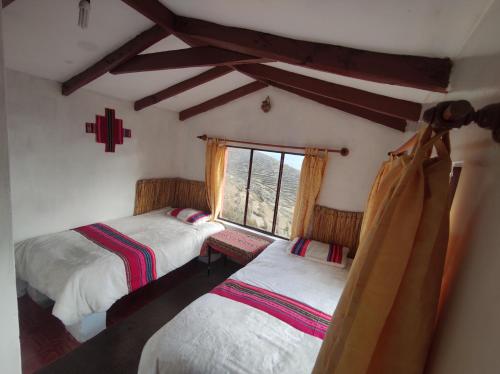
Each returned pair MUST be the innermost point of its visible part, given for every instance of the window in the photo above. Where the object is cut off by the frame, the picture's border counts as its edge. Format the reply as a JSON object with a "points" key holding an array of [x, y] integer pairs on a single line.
{"points": [[260, 189]]}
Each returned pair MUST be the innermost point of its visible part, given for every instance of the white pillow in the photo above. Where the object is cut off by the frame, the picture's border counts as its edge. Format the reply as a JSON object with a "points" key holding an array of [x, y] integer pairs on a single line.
{"points": [[330, 254], [188, 215]]}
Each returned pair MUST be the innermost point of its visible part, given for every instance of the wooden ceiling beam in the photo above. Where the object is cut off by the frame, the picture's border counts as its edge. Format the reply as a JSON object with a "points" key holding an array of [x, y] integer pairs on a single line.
{"points": [[115, 58], [183, 86], [420, 72], [403, 109], [183, 58], [221, 100], [426, 73], [392, 122], [155, 11]]}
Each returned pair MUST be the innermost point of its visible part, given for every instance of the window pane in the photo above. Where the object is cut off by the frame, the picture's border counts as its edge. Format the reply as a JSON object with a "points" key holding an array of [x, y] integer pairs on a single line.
{"points": [[288, 194], [238, 161], [263, 186]]}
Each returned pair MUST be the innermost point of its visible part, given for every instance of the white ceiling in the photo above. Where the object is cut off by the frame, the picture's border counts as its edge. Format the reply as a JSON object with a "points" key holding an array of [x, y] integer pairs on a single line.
{"points": [[41, 37]]}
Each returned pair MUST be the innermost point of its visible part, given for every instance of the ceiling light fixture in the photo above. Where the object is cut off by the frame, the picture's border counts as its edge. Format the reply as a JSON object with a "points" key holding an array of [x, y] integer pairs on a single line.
{"points": [[83, 14]]}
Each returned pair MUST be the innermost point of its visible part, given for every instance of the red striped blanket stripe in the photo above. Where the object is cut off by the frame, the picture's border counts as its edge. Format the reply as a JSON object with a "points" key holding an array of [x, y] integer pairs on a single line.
{"points": [[299, 315], [139, 260]]}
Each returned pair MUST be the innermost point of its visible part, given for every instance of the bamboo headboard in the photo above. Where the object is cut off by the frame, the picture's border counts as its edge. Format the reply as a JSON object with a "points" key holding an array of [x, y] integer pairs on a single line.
{"points": [[156, 193], [337, 226], [329, 225]]}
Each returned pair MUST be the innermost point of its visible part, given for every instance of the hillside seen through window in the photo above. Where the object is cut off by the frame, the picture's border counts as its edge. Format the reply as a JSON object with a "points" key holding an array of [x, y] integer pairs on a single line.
{"points": [[260, 189]]}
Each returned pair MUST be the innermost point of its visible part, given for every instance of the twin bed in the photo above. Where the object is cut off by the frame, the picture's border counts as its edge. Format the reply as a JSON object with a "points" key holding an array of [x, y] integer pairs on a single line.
{"points": [[270, 316], [77, 270], [235, 328], [84, 279]]}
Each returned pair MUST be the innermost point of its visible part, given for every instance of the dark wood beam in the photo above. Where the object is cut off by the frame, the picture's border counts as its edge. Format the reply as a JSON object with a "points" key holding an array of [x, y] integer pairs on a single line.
{"points": [[115, 58], [382, 104], [412, 71], [6, 2], [183, 58], [181, 87], [392, 122], [155, 11], [221, 100], [426, 73]]}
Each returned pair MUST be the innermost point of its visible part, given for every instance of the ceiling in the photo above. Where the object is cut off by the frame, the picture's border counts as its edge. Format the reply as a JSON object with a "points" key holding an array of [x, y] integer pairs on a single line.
{"points": [[41, 38]]}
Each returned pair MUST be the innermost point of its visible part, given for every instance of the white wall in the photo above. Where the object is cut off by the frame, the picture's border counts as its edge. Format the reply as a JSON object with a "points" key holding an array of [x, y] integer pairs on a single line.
{"points": [[62, 178], [468, 334], [297, 121], [10, 358]]}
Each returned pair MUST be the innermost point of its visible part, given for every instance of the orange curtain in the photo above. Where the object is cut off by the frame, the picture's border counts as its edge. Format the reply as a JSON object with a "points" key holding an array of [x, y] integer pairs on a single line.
{"points": [[311, 177], [385, 318], [215, 170]]}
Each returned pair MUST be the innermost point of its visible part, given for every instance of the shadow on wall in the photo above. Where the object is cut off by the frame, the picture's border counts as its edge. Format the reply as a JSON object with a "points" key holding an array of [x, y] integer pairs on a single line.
{"points": [[467, 205], [472, 253], [476, 78]]}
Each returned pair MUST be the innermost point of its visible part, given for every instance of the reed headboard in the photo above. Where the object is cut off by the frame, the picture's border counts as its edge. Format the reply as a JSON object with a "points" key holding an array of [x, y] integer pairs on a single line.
{"points": [[337, 226], [157, 193], [329, 225]]}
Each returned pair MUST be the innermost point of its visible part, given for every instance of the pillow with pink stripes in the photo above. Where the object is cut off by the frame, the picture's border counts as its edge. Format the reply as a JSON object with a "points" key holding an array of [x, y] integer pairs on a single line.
{"points": [[330, 254], [188, 215]]}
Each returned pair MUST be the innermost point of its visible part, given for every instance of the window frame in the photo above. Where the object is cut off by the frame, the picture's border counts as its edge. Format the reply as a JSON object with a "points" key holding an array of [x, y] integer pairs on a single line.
{"points": [[247, 189]]}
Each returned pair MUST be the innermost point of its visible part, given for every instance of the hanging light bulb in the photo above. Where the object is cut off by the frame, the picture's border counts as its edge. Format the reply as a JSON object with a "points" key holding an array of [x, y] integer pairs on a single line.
{"points": [[83, 14]]}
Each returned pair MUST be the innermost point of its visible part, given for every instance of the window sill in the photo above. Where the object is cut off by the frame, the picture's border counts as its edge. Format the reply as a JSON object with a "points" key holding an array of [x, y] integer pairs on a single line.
{"points": [[248, 230]]}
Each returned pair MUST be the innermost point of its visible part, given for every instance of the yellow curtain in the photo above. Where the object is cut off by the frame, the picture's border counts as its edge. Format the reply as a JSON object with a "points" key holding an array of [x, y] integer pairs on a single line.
{"points": [[311, 177], [385, 318], [215, 169]]}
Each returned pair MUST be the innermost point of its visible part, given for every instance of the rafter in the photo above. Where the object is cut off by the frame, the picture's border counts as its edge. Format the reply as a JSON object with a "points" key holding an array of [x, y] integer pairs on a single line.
{"points": [[183, 58], [115, 58], [392, 122], [181, 87], [412, 71], [221, 100], [378, 103], [155, 11]]}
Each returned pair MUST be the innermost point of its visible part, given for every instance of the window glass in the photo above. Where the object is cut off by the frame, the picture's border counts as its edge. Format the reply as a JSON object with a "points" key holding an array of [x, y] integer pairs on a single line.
{"points": [[235, 185], [262, 212], [263, 187], [288, 194]]}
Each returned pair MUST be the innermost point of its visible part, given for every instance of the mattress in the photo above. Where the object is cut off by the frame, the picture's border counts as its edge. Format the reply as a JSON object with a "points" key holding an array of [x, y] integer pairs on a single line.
{"points": [[83, 278], [215, 334]]}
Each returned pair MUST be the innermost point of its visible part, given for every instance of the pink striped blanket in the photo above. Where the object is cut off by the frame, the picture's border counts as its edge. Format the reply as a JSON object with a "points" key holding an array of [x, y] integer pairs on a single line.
{"points": [[299, 315], [139, 260]]}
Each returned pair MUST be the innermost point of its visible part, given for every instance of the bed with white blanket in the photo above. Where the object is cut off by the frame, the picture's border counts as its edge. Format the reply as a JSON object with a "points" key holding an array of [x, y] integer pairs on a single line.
{"points": [[236, 329], [84, 279]]}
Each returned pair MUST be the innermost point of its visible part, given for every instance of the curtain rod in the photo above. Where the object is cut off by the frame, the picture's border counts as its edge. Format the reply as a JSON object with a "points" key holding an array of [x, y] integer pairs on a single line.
{"points": [[343, 151], [455, 114]]}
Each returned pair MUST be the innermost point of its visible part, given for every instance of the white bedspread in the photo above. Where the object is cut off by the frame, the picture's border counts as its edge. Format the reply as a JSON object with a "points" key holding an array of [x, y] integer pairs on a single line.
{"points": [[218, 335], [83, 278]]}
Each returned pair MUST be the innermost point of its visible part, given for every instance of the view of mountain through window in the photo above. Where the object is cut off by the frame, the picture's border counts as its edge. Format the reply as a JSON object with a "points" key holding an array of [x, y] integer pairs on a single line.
{"points": [[253, 186]]}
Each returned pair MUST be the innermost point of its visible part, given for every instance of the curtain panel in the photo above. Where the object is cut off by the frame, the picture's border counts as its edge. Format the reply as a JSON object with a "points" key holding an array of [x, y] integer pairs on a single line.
{"points": [[215, 170], [385, 318], [311, 178]]}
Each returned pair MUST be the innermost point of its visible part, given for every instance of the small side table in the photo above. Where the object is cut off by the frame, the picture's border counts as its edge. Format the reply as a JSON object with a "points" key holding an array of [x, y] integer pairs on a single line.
{"points": [[241, 247]]}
